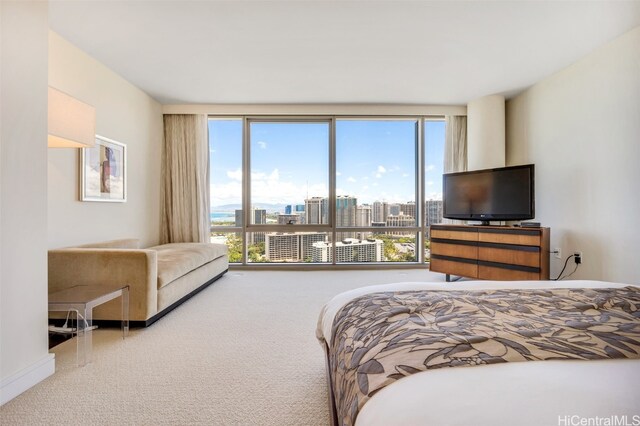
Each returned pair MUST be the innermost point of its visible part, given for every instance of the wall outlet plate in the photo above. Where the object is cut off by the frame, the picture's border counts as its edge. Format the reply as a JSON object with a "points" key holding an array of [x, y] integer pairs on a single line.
{"points": [[557, 253], [578, 257]]}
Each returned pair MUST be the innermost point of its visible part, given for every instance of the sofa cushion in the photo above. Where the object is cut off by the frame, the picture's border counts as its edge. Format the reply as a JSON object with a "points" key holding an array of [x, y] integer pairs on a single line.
{"points": [[178, 259]]}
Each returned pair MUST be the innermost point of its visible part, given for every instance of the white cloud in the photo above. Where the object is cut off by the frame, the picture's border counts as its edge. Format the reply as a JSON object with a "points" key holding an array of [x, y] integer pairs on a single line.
{"points": [[404, 175], [266, 187], [262, 144], [381, 169], [430, 183], [269, 188], [351, 179], [228, 193], [429, 168], [378, 175], [235, 174], [375, 184], [338, 174]]}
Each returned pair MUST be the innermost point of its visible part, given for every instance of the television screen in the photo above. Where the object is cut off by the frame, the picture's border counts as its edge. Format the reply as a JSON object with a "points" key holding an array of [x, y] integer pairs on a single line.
{"points": [[495, 194]]}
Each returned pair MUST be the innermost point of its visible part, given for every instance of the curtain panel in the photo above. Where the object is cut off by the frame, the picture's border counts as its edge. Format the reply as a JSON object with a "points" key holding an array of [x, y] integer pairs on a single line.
{"points": [[185, 176], [455, 149]]}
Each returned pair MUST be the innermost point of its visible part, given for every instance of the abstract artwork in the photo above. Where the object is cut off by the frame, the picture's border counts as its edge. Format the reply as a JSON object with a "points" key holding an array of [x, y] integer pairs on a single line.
{"points": [[103, 171]]}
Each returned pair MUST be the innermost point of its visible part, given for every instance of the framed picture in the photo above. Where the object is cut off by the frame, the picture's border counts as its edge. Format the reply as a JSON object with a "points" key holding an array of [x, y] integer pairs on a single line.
{"points": [[103, 171]]}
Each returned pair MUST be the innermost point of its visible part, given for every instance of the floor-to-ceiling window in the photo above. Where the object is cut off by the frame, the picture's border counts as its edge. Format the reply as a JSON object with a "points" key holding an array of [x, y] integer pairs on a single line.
{"points": [[377, 189], [226, 182], [329, 190], [288, 169], [433, 168]]}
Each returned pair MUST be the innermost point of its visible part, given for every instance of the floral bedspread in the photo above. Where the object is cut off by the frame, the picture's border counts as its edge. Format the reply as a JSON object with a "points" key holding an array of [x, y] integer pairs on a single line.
{"points": [[382, 337]]}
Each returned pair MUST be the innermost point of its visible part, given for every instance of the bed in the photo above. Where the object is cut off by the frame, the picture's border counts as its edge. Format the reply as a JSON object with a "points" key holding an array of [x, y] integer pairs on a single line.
{"points": [[559, 389]]}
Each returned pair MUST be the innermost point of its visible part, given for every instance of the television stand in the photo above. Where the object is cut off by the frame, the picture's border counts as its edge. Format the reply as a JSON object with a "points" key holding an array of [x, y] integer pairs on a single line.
{"points": [[490, 252]]}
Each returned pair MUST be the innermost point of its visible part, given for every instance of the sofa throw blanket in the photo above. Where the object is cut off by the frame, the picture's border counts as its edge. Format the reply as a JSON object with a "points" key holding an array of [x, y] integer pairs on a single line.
{"points": [[382, 337]]}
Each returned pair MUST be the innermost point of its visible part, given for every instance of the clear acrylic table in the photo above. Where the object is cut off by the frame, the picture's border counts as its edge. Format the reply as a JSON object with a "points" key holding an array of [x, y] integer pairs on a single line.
{"points": [[82, 299]]}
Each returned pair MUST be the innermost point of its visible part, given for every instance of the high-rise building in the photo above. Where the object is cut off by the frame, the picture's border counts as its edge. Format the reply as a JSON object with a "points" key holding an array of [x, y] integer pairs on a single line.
{"points": [[433, 213], [287, 209], [363, 218], [348, 250], [258, 216], [394, 209], [316, 210], [363, 215], [291, 247], [380, 211], [346, 213], [400, 220], [346, 210], [408, 209]]}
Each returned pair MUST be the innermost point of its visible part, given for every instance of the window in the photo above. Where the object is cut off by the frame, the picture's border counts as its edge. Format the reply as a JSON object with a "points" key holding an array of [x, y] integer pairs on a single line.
{"points": [[332, 190], [289, 172], [225, 174], [376, 188], [433, 170]]}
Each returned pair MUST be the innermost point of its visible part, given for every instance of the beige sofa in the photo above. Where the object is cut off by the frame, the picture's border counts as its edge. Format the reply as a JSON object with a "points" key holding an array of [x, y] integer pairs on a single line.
{"points": [[159, 277]]}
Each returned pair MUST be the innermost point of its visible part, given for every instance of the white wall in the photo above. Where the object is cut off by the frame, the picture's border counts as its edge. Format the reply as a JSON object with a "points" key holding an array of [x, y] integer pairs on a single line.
{"points": [[486, 133], [581, 128], [124, 113], [24, 358]]}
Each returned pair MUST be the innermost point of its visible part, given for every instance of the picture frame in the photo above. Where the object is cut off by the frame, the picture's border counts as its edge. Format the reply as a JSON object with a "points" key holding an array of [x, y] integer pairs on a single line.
{"points": [[103, 171]]}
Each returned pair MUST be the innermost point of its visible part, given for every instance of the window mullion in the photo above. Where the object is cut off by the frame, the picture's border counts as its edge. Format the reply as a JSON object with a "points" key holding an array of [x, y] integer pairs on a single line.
{"points": [[332, 188], [246, 189]]}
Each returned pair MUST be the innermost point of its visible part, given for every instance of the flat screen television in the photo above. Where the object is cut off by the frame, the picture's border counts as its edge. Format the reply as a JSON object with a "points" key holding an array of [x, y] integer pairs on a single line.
{"points": [[506, 193]]}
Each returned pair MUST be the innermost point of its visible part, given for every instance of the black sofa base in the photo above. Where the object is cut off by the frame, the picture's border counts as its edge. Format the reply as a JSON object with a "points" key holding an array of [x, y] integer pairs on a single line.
{"points": [[156, 317]]}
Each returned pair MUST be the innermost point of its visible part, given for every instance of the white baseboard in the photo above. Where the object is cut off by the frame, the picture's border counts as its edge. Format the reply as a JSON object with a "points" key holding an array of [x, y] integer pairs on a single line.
{"points": [[25, 379]]}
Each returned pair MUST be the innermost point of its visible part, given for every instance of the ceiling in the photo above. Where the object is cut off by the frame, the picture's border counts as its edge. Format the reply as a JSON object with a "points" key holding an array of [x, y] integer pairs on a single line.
{"points": [[389, 52]]}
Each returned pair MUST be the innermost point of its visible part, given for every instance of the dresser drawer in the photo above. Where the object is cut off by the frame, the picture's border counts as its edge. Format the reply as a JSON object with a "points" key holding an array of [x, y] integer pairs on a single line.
{"points": [[510, 255], [454, 250], [501, 274], [452, 267], [449, 234], [528, 238]]}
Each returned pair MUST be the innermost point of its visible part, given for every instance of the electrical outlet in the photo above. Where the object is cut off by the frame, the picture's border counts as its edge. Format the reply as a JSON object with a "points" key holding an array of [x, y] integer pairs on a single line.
{"points": [[557, 252], [577, 257]]}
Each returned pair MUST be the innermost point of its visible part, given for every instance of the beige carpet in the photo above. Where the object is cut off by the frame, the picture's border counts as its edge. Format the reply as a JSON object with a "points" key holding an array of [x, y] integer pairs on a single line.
{"points": [[242, 352]]}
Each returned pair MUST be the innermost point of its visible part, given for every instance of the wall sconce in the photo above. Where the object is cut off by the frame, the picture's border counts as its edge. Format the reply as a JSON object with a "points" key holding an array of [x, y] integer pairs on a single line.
{"points": [[72, 123]]}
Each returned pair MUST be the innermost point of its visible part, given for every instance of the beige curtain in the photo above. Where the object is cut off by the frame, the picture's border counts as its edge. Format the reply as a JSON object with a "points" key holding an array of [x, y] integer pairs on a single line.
{"points": [[455, 148], [185, 176]]}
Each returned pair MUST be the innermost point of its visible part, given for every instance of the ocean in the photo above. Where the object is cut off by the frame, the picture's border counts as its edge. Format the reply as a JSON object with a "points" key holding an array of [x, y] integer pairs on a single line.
{"points": [[223, 216]]}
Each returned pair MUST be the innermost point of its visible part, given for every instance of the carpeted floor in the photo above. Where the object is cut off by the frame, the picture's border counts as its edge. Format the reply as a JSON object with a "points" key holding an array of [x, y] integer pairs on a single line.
{"points": [[241, 352]]}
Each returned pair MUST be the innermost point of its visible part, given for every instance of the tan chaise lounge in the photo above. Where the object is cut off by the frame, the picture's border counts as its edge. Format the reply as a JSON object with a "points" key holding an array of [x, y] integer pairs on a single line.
{"points": [[160, 277]]}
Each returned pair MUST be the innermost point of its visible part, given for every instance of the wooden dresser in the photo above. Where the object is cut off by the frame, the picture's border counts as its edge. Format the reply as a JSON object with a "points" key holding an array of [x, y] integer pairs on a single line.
{"points": [[490, 252]]}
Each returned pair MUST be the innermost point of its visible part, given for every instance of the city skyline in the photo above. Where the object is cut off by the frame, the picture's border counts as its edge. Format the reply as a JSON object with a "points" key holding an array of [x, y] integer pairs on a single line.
{"points": [[375, 161]]}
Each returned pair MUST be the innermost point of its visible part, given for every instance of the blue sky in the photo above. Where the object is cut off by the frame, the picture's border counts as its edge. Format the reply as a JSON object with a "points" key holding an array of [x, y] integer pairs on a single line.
{"points": [[374, 160]]}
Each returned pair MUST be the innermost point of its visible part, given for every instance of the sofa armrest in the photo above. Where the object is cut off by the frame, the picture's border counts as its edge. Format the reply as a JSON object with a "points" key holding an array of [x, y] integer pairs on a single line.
{"points": [[108, 267]]}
